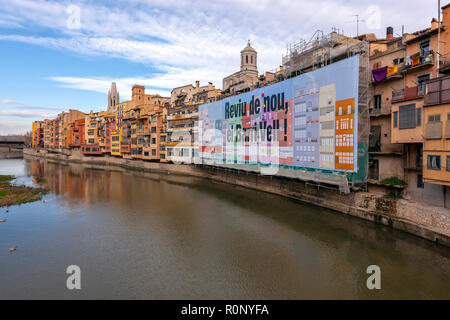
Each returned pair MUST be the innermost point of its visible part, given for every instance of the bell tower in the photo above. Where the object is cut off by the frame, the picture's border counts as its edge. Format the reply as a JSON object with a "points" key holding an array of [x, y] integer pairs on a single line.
{"points": [[249, 59], [113, 98]]}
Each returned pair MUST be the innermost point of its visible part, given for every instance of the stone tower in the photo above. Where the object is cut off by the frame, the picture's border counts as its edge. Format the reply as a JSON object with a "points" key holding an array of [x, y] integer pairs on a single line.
{"points": [[113, 98], [248, 59]]}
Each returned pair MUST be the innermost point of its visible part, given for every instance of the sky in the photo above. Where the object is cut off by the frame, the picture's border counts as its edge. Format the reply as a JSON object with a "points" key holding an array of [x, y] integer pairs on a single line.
{"points": [[56, 55]]}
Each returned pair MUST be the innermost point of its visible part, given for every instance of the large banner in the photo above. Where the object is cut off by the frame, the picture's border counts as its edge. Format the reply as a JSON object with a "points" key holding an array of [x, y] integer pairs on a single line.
{"points": [[309, 121]]}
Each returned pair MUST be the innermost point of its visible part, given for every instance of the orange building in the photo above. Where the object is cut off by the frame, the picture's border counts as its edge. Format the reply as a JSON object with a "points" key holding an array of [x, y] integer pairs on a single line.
{"points": [[344, 133]]}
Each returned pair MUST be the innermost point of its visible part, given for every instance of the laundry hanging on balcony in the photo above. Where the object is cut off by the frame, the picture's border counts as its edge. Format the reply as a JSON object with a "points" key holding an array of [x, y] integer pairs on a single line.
{"points": [[408, 61], [392, 70], [379, 74], [415, 60]]}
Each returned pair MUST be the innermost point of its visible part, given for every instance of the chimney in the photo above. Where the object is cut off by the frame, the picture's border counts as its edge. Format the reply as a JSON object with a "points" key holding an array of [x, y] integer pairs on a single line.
{"points": [[197, 84], [434, 23], [389, 33]]}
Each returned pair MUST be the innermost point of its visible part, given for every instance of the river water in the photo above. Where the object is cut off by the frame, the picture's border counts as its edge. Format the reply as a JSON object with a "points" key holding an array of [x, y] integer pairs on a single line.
{"points": [[152, 236]]}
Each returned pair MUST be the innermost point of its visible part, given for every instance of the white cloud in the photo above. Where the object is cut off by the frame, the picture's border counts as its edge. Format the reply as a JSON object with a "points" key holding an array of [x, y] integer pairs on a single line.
{"points": [[192, 40], [161, 84], [15, 127], [8, 101], [26, 114]]}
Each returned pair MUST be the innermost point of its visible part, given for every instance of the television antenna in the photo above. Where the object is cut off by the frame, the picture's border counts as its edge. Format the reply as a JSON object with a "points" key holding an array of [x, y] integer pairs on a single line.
{"points": [[358, 21]]}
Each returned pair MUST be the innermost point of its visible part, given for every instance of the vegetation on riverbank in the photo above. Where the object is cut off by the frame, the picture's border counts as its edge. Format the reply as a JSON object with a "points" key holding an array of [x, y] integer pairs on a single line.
{"points": [[11, 194]]}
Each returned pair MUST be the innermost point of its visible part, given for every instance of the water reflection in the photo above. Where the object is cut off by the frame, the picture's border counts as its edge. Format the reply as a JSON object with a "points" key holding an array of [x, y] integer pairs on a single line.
{"points": [[142, 235]]}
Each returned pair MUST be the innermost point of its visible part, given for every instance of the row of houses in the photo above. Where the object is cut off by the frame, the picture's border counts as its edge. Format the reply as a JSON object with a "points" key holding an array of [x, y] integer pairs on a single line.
{"points": [[407, 93], [147, 127]]}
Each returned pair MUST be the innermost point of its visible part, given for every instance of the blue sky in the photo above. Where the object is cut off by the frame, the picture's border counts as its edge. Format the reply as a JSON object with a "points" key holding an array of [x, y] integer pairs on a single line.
{"points": [[56, 55]]}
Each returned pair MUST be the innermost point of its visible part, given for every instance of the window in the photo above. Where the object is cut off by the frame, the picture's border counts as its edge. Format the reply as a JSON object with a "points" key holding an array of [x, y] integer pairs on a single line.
{"points": [[434, 162], [377, 102], [246, 59], [91, 140], [395, 119], [419, 117], [434, 118], [420, 181], [153, 152], [407, 116], [448, 163], [425, 48], [419, 156], [421, 82]]}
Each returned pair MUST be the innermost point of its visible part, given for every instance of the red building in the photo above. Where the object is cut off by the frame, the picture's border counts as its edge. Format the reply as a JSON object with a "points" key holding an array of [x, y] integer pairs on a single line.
{"points": [[110, 125], [78, 134]]}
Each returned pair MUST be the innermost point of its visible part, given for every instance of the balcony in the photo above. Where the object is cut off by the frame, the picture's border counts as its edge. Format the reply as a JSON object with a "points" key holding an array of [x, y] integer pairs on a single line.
{"points": [[182, 116], [393, 76], [125, 148], [437, 91], [380, 111], [407, 94], [420, 61], [92, 149], [444, 64], [433, 130]]}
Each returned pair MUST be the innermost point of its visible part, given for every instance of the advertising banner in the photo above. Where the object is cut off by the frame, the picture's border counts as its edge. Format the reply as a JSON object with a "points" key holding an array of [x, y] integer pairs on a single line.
{"points": [[305, 122]]}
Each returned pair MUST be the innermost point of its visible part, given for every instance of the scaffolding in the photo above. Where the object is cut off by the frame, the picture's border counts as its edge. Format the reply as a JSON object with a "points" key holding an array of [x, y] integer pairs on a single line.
{"points": [[319, 51]]}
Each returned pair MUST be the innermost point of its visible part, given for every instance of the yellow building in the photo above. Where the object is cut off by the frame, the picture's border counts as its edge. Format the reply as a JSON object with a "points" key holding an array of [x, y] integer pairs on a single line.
{"points": [[33, 134], [116, 141]]}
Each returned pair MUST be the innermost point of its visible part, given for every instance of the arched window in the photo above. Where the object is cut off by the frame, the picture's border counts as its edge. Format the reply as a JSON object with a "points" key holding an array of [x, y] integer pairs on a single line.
{"points": [[251, 59], [246, 59]]}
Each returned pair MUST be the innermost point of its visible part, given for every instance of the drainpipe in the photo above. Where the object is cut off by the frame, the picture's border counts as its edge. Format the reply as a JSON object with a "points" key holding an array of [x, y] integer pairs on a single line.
{"points": [[439, 38]]}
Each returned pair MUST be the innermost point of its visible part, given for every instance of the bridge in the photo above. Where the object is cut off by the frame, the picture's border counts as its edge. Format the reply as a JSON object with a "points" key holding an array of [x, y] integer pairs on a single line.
{"points": [[17, 142], [11, 147]]}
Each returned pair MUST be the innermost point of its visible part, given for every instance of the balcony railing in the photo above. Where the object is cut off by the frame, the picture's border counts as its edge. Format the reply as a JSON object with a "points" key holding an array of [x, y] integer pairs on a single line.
{"points": [[419, 61], [380, 110], [438, 91], [407, 94]]}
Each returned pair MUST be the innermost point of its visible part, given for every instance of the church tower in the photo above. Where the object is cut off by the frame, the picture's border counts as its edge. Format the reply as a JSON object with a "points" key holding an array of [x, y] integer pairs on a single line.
{"points": [[113, 98], [248, 59]]}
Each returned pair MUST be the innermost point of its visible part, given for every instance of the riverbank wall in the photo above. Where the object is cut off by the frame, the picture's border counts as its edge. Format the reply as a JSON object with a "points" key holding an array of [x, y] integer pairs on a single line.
{"points": [[425, 221], [10, 153]]}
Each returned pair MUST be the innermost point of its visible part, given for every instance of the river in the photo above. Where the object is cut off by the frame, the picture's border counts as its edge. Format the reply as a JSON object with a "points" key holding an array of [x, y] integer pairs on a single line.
{"points": [[159, 236]]}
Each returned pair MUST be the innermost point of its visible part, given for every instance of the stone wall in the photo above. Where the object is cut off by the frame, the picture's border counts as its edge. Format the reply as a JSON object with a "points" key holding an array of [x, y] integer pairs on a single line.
{"points": [[7, 153]]}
